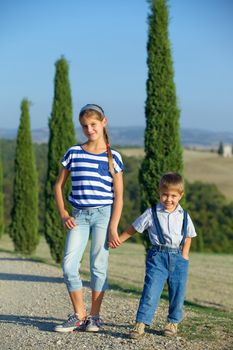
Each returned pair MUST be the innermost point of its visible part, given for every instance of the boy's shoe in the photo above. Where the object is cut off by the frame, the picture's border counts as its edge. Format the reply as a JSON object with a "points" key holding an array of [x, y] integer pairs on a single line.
{"points": [[170, 329], [93, 324], [138, 331], [72, 324]]}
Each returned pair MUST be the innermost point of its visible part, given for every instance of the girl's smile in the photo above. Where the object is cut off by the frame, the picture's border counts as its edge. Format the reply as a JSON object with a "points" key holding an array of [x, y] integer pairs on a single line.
{"points": [[92, 127]]}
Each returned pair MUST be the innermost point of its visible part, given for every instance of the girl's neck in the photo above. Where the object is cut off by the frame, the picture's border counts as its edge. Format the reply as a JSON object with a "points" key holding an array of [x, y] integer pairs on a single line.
{"points": [[94, 146]]}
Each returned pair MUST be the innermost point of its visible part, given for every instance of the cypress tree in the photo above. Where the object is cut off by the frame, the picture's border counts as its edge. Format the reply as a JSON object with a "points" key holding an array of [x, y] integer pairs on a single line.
{"points": [[163, 151], [24, 226], [220, 148], [62, 136], [1, 199]]}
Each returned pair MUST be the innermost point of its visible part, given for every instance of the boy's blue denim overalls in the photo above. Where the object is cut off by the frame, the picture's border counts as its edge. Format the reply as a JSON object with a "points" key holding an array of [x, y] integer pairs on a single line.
{"points": [[164, 264]]}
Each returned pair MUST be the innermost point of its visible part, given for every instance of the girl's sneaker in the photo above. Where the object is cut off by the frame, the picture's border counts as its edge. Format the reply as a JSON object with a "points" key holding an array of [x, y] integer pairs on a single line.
{"points": [[72, 324], [93, 323]]}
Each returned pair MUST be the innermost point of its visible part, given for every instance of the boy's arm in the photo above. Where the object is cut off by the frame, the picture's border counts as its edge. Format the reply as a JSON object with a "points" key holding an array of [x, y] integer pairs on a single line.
{"points": [[186, 248], [129, 232]]}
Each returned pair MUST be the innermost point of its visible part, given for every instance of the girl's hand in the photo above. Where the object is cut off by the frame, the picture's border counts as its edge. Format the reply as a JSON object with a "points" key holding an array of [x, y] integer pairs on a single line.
{"points": [[68, 222], [113, 239]]}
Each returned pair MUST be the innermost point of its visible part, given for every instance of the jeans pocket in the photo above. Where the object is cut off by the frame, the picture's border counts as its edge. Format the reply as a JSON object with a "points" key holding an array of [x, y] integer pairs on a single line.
{"points": [[105, 211], [76, 213], [182, 258], [152, 253]]}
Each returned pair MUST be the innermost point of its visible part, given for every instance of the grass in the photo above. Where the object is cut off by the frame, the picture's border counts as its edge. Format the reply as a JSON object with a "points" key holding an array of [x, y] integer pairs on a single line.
{"points": [[207, 324]]}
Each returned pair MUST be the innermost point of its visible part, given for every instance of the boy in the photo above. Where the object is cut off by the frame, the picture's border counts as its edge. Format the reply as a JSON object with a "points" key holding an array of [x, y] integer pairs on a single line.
{"points": [[170, 231]]}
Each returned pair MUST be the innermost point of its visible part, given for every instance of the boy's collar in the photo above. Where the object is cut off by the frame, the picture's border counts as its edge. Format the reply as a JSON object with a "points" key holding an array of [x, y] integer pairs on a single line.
{"points": [[160, 207]]}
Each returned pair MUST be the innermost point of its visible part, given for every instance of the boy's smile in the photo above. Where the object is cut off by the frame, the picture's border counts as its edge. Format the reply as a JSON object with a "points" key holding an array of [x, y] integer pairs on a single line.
{"points": [[169, 198]]}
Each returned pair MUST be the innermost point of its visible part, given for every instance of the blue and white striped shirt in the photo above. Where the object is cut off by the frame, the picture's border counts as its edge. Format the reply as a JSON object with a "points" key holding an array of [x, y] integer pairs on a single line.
{"points": [[92, 183]]}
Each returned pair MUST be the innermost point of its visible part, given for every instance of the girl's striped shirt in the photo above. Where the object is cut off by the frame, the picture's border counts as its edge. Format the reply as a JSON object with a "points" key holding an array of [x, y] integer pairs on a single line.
{"points": [[92, 183]]}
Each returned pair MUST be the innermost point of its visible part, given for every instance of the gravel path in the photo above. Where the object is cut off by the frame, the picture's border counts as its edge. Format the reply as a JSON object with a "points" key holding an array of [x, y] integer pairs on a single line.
{"points": [[33, 298]]}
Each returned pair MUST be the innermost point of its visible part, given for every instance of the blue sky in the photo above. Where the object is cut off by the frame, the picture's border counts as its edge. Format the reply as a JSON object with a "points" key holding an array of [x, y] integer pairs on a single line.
{"points": [[104, 42]]}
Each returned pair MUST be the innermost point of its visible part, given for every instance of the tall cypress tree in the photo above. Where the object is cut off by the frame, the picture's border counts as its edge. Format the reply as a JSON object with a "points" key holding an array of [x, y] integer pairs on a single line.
{"points": [[24, 227], [163, 151], [1, 199], [62, 136]]}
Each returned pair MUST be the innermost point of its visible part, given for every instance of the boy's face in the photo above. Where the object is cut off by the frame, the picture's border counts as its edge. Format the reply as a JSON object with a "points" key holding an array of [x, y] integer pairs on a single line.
{"points": [[169, 198]]}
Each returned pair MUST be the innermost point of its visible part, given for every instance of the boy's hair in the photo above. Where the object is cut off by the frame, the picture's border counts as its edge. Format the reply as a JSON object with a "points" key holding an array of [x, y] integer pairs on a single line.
{"points": [[173, 180], [95, 110]]}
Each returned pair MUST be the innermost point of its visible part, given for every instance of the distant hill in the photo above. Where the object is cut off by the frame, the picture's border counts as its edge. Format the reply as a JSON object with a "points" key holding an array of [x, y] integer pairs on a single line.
{"points": [[133, 136]]}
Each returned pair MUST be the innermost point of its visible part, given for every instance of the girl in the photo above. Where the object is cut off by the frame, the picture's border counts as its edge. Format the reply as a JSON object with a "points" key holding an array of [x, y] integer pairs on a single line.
{"points": [[97, 200]]}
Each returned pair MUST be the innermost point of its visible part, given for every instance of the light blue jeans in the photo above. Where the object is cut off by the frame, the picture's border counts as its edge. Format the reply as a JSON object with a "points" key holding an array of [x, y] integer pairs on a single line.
{"points": [[92, 221], [162, 266]]}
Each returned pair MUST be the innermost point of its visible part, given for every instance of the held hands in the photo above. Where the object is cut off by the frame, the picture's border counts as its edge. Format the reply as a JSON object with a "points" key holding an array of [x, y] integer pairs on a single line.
{"points": [[113, 239]]}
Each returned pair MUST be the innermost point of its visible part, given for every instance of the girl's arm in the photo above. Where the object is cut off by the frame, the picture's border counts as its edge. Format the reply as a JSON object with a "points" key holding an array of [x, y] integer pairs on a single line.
{"points": [[186, 248], [113, 237], [68, 221]]}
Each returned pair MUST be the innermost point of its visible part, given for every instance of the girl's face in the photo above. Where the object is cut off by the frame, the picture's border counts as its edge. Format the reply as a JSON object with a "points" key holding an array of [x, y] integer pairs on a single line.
{"points": [[170, 198], [93, 127]]}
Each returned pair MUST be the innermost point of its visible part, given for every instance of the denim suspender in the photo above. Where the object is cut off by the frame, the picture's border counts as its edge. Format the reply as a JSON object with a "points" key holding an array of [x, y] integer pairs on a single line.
{"points": [[184, 228], [158, 227], [159, 230]]}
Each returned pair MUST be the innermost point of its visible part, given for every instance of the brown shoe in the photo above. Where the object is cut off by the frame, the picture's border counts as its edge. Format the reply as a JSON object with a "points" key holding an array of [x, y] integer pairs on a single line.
{"points": [[138, 331], [170, 329]]}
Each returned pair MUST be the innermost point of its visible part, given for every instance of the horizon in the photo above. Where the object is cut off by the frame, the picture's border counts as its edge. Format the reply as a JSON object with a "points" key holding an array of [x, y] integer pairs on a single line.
{"points": [[127, 126]]}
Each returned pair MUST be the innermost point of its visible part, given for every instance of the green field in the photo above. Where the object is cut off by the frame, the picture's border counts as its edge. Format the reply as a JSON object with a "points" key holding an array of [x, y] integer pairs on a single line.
{"points": [[203, 166]]}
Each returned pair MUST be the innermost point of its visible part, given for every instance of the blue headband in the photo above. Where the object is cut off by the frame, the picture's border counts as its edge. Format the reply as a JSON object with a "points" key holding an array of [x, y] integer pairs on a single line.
{"points": [[94, 107]]}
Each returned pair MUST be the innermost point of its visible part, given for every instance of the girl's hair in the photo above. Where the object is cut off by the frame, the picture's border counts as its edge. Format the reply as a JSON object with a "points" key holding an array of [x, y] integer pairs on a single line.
{"points": [[173, 180], [93, 109]]}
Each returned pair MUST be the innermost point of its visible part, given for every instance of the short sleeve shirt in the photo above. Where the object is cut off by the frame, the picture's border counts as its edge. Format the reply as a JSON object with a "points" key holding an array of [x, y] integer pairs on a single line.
{"points": [[92, 183], [171, 225]]}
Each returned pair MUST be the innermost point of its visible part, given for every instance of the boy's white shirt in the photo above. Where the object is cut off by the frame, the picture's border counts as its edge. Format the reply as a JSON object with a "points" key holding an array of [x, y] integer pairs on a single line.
{"points": [[171, 225]]}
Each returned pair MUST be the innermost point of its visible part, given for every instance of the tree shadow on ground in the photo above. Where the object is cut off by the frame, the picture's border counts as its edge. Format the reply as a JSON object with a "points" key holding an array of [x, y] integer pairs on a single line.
{"points": [[42, 323], [34, 278], [21, 259], [29, 278]]}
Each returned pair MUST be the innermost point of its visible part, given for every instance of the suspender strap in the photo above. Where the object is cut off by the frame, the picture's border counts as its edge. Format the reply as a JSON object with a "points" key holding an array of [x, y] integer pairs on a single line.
{"points": [[184, 228], [158, 227], [159, 230]]}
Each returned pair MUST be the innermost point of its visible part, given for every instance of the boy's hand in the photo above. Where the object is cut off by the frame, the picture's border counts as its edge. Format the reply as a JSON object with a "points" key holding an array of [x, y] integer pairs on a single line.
{"points": [[185, 256], [113, 239]]}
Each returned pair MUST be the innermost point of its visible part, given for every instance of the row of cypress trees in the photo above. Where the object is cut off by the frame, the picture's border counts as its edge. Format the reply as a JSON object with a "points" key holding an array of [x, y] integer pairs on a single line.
{"points": [[162, 141], [24, 224]]}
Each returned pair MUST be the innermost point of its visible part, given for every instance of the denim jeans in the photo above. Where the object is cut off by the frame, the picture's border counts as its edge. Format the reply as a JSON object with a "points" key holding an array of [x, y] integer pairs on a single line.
{"points": [[162, 266], [94, 221]]}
